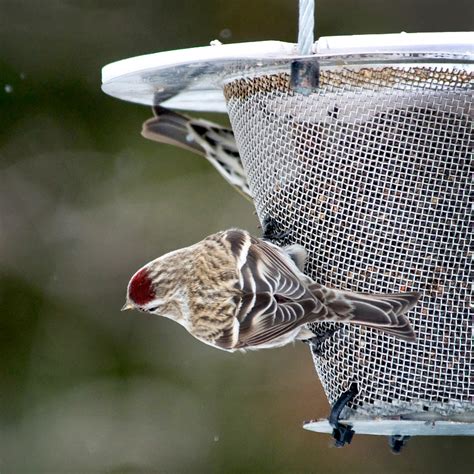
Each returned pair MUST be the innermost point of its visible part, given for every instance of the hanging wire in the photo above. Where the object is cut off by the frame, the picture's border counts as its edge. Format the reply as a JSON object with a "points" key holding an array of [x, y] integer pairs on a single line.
{"points": [[306, 27], [304, 77]]}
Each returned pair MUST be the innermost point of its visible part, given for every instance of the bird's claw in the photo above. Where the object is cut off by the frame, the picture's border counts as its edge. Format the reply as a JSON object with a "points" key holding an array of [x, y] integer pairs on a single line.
{"points": [[317, 341], [271, 229]]}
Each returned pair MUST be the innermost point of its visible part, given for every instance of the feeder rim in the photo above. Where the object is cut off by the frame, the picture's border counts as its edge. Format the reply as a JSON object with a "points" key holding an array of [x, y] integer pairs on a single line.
{"points": [[192, 78], [394, 427]]}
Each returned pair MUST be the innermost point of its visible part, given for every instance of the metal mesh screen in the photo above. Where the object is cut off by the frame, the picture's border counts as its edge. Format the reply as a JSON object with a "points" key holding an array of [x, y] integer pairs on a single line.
{"points": [[371, 174]]}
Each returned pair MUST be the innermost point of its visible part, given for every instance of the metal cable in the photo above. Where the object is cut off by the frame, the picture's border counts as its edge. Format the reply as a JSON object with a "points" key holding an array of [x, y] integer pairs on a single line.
{"points": [[306, 27]]}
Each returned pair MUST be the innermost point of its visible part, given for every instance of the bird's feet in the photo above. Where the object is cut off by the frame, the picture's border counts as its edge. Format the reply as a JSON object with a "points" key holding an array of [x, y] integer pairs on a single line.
{"points": [[271, 229], [317, 341]]}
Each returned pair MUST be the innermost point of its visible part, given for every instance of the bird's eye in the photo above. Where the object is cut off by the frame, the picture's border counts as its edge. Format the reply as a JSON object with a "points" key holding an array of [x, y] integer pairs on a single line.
{"points": [[152, 309]]}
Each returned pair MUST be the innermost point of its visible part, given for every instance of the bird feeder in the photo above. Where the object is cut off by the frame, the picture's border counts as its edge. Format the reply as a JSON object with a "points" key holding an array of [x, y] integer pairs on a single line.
{"points": [[360, 149]]}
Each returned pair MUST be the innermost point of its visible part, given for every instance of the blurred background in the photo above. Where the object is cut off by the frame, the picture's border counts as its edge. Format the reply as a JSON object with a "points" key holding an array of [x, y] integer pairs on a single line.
{"points": [[85, 201]]}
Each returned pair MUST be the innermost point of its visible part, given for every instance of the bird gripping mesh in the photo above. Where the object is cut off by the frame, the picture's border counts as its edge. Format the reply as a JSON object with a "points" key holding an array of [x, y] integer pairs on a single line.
{"points": [[371, 174]]}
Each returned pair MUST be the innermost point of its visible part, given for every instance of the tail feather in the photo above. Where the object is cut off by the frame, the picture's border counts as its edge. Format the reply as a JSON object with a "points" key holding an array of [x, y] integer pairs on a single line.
{"points": [[215, 142], [385, 312], [171, 128]]}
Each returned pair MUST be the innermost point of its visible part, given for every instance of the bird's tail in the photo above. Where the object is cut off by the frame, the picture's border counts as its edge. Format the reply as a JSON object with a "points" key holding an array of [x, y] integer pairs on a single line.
{"points": [[193, 134], [171, 128], [385, 312], [215, 142]]}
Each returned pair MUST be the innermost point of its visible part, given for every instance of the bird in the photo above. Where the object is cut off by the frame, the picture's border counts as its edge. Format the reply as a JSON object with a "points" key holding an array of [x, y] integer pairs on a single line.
{"points": [[215, 142], [238, 292]]}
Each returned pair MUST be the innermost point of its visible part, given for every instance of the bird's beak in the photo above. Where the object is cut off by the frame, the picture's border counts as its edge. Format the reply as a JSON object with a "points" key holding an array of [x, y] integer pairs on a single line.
{"points": [[127, 306]]}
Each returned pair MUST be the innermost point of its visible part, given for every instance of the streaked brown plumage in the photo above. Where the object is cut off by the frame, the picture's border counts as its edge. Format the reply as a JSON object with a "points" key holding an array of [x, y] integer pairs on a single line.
{"points": [[235, 291], [210, 140]]}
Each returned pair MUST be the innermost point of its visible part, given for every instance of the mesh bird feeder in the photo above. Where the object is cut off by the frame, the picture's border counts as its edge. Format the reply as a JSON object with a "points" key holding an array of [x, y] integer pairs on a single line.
{"points": [[361, 149]]}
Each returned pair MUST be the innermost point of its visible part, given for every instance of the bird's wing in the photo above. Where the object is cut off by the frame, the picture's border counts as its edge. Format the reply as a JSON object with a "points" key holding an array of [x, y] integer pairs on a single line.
{"points": [[275, 298], [274, 271]]}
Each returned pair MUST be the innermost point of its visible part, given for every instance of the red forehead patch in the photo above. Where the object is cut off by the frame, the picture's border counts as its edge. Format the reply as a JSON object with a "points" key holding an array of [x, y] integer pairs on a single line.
{"points": [[141, 288]]}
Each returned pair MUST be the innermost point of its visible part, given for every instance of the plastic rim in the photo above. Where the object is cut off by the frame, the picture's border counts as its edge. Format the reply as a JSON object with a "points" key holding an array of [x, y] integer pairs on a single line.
{"points": [[192, 78]]}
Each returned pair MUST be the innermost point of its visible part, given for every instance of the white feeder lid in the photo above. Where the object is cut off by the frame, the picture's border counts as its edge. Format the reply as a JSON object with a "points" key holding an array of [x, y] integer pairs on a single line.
{"points": [[192, 79]]}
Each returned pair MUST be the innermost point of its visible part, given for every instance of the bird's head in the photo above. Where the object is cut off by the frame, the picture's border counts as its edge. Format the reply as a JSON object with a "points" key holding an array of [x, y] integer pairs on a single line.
{"points": [[153, 290], [140, 291]]}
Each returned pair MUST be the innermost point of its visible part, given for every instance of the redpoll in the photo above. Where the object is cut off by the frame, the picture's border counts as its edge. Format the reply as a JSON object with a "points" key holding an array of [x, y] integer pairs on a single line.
{"points": [[235, 291], [214, 142]]}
